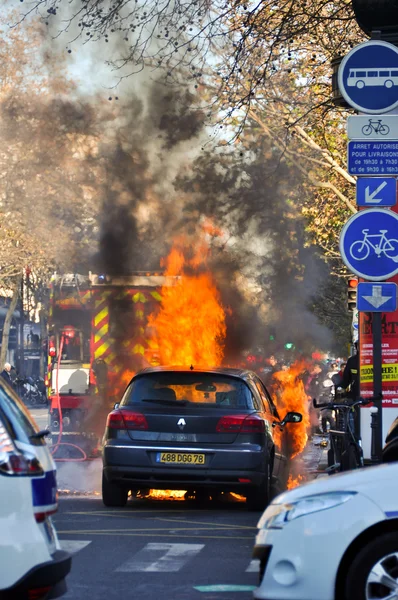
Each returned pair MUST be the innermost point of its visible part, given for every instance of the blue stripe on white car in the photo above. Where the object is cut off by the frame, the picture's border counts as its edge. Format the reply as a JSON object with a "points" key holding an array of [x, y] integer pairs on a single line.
{"points": [[44, 490]]}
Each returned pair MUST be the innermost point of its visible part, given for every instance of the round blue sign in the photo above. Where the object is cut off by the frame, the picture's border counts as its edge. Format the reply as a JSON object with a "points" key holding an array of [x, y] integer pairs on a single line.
{"points": [[369, 244], [368, 77]]}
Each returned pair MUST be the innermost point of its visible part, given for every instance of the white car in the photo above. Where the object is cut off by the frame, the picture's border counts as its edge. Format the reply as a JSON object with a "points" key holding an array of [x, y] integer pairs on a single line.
{"points": [[335, 538], [32, 564]]}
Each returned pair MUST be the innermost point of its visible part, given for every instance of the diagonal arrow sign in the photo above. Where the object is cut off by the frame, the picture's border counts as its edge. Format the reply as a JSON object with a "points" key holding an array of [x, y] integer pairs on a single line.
{"points": [[370, 198], [376, 299]]}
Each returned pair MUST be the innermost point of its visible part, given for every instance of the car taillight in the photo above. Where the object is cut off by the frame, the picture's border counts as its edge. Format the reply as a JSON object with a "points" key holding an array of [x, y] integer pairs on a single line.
{"points": [[127, 420], [115, 420], [40, 517], [14, 462], [240, 424]]}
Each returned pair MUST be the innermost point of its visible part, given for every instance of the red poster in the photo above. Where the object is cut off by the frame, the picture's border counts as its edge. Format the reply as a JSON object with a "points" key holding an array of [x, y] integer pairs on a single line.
{"points": [[389, 357]]}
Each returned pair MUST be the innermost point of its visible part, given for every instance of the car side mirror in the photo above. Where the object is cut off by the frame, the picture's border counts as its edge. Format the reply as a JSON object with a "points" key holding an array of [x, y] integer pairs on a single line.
{"points": [[116, 406], [291, 417]]}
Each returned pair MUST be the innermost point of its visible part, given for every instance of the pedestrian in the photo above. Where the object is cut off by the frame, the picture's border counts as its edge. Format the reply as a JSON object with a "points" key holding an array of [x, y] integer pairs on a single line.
{"points": [[351, 380], [341, 371], [6, 373], [350, 377]]}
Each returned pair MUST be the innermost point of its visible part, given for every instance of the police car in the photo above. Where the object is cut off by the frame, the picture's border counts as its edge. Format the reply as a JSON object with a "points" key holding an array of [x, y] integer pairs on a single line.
{"points": [[32, 564]]}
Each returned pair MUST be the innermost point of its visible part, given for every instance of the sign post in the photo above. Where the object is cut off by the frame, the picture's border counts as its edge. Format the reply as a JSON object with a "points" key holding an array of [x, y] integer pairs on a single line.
{"points": [[368, 81], [378, 383]]}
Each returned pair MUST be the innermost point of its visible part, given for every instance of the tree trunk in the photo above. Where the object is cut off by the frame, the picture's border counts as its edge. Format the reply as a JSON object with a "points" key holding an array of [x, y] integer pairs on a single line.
{"points": [[8, 321], [43, 336]]}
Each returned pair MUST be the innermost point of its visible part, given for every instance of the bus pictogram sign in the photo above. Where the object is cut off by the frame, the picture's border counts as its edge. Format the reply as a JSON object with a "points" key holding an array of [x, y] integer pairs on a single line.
{"points": [[368, 78]]}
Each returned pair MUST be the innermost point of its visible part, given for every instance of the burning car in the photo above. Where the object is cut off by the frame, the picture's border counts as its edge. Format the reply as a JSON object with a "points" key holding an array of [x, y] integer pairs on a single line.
{"points": [[195, 429]]}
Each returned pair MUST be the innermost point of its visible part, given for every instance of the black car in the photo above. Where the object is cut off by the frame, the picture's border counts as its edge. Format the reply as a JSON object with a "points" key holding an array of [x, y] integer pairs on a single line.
{"points": [[199, 430]]}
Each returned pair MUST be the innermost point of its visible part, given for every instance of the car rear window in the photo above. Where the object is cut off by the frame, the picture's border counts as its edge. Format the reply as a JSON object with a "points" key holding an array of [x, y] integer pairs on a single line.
{"points": [[175, 388], [16, 417]]}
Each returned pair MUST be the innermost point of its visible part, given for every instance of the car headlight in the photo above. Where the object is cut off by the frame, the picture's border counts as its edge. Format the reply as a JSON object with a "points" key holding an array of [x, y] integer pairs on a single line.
{"points": [[277, 515]]}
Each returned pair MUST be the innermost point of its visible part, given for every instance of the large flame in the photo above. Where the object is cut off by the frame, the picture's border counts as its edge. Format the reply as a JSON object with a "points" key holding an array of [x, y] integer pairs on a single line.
{"points": [[291, 396], [190, 324]]}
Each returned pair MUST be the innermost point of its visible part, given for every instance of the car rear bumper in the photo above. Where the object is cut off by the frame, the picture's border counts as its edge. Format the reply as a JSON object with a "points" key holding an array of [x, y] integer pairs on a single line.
{"points": [[166, 478], [50, 574], [224, 469]]}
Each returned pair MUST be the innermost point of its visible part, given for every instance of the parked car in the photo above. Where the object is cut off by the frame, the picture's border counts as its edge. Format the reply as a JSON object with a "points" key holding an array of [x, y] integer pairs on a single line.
{"points": [[32, 564], [195, 429], [335, 538]]}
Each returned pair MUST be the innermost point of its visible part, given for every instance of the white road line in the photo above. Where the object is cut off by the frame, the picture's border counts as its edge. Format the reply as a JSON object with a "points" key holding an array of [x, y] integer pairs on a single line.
{"points": [[160, 558], [254, 566], [73, 546]]}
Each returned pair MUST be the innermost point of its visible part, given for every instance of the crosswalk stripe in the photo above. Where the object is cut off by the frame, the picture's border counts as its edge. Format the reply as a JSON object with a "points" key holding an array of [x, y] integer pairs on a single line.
{"points": [[254, 566], [160, 558], [73, 546]]}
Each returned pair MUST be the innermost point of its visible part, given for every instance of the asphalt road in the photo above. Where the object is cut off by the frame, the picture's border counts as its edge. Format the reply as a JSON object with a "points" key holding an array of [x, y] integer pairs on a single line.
{"points": [[158, 549], [40, 415]]}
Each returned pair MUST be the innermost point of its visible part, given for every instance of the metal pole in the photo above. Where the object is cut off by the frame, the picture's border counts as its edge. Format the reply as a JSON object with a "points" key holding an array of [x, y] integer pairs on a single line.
{"points": [[21, 335], [377, 382]]}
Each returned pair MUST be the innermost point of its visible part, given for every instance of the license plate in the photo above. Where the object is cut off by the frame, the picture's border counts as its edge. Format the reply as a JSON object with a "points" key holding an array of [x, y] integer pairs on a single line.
{"points": [[177, 458]]}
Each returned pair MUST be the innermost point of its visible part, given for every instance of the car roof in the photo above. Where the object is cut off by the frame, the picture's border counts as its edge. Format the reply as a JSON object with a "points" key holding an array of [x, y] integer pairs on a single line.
{"points": [[238, 373]]}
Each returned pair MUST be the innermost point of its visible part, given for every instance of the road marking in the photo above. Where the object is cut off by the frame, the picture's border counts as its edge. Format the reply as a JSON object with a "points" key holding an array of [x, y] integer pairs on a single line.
{"points": [[122, 532], [218, 525], [254, 566], [156, 529], [73, 546], [132, 511], [172, 558], [225, 588]]}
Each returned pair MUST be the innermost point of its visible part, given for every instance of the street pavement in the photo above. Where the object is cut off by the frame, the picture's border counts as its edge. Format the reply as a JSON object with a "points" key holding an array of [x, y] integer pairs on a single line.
{"points": [[40, 415], [158, 549]]}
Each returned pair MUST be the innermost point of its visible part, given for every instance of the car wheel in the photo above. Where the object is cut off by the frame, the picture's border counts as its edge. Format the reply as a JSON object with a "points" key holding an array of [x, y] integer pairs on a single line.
{"points": [[113, 494], [257, 499], [374, 571]]}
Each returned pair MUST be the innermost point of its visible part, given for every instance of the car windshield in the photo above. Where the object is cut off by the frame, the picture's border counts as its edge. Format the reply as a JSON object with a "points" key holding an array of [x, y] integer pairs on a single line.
{"points": [[179, 388]]}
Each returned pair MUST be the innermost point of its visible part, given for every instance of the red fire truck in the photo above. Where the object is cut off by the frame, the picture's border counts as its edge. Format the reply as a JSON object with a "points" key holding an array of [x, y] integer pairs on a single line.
{"points": [[97, 338]]}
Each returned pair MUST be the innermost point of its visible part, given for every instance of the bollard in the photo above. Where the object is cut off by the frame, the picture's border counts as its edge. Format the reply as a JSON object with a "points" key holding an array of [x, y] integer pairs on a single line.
{"points": [[374, 426]]}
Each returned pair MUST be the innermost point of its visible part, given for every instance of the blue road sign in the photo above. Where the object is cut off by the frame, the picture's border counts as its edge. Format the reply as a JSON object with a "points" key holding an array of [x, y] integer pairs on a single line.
{"points": [[369, 244], [377, 297], [373, 158], [368, 77], [376, 191]]}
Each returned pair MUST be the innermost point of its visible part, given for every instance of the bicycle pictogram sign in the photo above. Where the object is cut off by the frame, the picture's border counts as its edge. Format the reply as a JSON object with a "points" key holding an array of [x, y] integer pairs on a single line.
{"points": [[369, 244], [375, 126], [376, 242]]}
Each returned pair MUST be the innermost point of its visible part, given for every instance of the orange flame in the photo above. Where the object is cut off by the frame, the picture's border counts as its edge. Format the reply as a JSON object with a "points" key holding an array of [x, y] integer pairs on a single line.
{"points": [[190, 324], [167, 494], [291, 396], [211, 229], [294, 482]]}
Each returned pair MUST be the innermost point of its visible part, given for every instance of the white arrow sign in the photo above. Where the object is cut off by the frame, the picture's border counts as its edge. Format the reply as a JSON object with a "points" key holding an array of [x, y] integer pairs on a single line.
{"points": [[376, 299], [370, 198]]}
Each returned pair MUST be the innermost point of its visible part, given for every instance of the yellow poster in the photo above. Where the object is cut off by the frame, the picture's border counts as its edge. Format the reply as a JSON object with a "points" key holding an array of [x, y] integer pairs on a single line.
{"points": [[390, 373]]}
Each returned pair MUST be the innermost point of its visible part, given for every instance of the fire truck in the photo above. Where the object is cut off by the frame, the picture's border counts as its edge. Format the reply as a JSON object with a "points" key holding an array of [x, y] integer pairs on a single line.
{"points": [[97, 339]]}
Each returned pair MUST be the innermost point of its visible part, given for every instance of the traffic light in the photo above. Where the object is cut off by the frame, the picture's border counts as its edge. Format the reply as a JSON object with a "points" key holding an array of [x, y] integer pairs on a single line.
{"points": [[272, 334], [289, 346], [352, 294]]}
